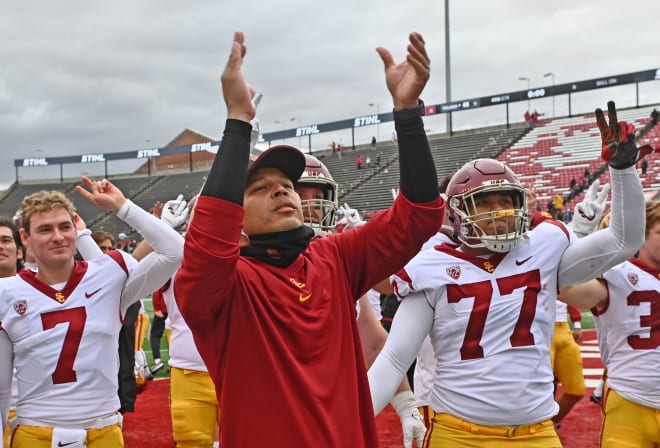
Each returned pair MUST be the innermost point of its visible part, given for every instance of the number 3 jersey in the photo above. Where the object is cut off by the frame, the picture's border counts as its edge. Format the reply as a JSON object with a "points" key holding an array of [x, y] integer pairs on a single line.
{"points": [[492, 326], [629, 327], [65, 341]]}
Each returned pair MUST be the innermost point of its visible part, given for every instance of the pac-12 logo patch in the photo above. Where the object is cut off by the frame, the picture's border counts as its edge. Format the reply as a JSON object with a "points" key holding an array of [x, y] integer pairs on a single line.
{"points": [[633, 279], [21, 307], [454, 272]]}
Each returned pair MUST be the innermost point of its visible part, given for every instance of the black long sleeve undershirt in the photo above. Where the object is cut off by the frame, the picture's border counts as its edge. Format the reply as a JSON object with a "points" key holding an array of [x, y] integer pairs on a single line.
{"points": [[418, 178], [226, 179]]}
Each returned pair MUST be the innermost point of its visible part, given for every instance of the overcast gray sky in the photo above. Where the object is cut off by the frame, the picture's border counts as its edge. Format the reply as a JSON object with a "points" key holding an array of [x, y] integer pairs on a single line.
{"points": [[80, 77]]}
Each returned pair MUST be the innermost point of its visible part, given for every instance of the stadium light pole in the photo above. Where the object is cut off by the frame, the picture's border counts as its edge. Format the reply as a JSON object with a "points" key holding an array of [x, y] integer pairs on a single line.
{"points": [[553, 91], [526, 78], [377, 113], [283, 123]]}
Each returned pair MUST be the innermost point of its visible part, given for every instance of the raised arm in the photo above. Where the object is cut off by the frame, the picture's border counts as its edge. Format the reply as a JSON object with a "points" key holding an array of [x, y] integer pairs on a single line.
{"points": [[406, 81], [156, 268], [412, 322], [226, 180], [592, 255]]}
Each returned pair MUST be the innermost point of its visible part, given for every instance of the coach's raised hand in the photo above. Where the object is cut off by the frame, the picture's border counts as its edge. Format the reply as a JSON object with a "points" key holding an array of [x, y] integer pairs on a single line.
{"points": [[406, 80], [237, 92]]}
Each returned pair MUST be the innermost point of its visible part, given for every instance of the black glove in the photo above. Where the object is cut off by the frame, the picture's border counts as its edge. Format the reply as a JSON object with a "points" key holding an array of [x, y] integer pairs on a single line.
{"points": [[619, 142]]}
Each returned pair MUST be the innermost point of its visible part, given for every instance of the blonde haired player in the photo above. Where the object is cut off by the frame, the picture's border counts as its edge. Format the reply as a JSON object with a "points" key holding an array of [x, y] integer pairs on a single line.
{"points": [[60, 319]]}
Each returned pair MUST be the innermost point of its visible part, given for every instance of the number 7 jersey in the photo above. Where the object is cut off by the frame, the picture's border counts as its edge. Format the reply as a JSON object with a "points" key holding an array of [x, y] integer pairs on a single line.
{"points": [[65, 341], [492, 327]]}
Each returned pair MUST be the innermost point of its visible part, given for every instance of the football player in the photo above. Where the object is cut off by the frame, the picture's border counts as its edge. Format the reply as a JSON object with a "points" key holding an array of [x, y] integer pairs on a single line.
{"points": [[11, 252], [489, 305], [628, 310], [63, 321]]}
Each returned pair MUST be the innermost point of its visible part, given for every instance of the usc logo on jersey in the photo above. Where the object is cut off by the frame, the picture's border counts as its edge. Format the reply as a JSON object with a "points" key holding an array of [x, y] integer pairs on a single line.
{"points": [[21, 307], [454, 272], [488, 266]]}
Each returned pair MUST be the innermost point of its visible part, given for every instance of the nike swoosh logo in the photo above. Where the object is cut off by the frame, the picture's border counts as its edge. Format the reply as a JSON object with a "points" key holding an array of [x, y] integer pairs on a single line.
{"points": [[65, 444], [87, 296], [304, 299], [523, 261]]}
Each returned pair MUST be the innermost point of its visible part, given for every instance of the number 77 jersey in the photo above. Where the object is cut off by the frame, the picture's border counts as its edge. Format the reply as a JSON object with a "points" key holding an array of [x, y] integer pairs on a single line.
{"points": [[492, 327]]}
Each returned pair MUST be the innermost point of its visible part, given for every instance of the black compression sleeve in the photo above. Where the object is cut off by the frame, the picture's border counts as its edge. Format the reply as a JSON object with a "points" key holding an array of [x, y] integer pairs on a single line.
{"points": [[418, 178], [226, 179]]}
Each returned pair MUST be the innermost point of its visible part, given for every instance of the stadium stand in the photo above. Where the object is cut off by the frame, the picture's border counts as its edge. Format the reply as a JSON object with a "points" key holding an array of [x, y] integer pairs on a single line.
{"points": [[449, 153], [546, 157], [559, 150]]}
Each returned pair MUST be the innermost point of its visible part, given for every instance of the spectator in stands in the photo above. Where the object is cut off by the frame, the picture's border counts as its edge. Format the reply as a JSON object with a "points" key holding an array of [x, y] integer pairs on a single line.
{"points": [[494, 385], [582, 185], [528, 119], [88, 298], [587, 175], [378, 158], [358, 161], [535, 118], [333, 145], [287, 297], [645, 166], [373, 141], [573, 184], [340, 150], [368, 161]]}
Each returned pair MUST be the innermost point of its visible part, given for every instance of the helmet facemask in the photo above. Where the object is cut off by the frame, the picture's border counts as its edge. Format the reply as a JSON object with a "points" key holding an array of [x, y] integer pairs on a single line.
{"points": [[319, 213], [466, 220], [327, 218]]}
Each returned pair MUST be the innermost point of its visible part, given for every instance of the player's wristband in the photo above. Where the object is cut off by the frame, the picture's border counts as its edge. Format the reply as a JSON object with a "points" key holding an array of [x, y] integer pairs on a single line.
{"points": [[410, 113], [577, 325]]}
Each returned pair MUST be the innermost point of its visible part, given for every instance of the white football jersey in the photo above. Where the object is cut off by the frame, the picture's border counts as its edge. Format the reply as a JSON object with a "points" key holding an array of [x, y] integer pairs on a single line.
{"points": [[425, 365], [493, 326], [65, 342], [183, 351], [629, 327]]}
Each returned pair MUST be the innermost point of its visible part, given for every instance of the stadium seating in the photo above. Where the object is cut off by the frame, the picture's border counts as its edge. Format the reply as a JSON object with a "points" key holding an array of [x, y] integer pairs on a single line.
{"points": [[546, 157], [449, 154], [556, 151]]}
